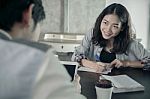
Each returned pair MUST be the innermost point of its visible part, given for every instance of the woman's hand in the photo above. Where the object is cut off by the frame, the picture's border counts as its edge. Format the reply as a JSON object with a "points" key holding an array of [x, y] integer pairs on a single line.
{"points": [[98, 67], [135, 64], [104, 65], [117, 63], [101, 64]]}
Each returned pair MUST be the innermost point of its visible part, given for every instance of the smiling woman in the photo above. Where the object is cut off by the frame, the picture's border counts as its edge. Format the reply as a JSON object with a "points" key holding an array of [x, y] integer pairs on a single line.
{"points": [[110, 26], [108, 44], [111, 40]]}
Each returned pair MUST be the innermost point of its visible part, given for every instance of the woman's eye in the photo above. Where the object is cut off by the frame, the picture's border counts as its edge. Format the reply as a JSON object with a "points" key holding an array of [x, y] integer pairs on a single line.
{"points": [[105, 22], [116, 27]]}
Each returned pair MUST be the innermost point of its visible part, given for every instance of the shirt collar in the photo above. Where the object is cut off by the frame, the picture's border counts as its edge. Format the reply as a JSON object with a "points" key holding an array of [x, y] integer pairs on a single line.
{"points": [[4, 33]]}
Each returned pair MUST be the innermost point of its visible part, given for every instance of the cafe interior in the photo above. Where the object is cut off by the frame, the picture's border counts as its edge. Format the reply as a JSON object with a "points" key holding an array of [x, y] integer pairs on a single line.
{"points": [[66, 23]]}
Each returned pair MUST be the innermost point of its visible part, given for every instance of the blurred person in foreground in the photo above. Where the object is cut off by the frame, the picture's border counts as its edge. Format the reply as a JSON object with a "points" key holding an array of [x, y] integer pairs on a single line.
{"points": [[29, 70]]}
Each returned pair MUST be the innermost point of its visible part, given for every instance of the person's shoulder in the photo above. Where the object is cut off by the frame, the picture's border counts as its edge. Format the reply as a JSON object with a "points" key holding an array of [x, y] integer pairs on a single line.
{"points": [[134, 44], [21, 53], [89, 33], [36, 45]]}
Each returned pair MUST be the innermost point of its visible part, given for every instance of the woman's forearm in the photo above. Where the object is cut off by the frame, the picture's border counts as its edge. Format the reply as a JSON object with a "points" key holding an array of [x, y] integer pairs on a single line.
{"points": [[135, 64], [88, 63]]}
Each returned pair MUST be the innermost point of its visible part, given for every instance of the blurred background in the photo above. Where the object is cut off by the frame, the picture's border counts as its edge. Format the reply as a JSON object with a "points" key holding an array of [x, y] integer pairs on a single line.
{"points": [[78, 16]]}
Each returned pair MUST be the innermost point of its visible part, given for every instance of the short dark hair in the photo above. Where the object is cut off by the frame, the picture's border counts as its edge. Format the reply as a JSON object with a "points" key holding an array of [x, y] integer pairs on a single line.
{"points": [[11, 11], [121, 41]]}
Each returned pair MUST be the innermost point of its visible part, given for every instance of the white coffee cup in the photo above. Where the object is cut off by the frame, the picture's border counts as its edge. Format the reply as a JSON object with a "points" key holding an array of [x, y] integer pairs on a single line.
{"points": [[104, 93]]}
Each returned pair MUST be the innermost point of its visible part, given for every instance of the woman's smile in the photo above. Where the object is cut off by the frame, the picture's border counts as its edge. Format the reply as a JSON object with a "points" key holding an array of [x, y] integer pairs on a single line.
{"points": [[110, 26]]}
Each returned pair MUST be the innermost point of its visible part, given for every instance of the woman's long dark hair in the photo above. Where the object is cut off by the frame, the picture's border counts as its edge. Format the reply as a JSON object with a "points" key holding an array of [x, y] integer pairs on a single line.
{"points": [[121, 41]]}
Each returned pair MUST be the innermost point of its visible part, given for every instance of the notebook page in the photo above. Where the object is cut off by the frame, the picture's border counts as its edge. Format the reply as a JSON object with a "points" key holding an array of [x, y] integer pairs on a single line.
{"points": [[122, 81]]}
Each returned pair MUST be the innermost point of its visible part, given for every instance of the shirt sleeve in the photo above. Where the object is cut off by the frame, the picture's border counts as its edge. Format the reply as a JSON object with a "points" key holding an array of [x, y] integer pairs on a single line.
{"points": [[82, 50], [53, 81], [139, 51]]}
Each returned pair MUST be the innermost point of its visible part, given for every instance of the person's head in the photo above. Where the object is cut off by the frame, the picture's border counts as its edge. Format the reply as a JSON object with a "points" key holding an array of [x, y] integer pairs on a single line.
{"points": [[113, 24], [20, 17]]}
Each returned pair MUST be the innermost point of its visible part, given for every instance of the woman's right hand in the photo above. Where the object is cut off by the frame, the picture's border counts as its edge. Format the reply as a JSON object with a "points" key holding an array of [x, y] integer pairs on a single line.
{"points": [[104, 65], [98, 67]]}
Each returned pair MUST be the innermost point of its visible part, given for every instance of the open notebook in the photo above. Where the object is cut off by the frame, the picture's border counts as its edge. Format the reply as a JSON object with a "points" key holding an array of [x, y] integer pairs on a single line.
{"points": [[123, 83]]}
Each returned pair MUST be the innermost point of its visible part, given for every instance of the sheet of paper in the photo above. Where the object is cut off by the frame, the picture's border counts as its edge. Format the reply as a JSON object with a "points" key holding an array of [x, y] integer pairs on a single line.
{"points": [[108, 70], [123, 83]]}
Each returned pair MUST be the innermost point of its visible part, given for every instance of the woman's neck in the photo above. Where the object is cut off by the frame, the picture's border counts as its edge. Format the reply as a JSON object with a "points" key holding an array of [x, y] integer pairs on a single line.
{"points": [[109, 45]]}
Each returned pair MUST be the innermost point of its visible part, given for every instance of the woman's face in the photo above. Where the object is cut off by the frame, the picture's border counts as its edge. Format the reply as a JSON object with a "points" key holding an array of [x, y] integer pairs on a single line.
{"points": [[110, 26]]}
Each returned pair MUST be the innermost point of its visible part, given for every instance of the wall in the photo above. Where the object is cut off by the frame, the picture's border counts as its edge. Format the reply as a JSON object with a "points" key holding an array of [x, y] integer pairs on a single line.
{"points": [[73, 16], [83, 14], [139, 11], [54, 13], [149, 30]]}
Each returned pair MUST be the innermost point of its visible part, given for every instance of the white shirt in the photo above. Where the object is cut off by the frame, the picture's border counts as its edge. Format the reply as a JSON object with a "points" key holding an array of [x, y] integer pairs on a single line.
{"points": [[29, 73]]}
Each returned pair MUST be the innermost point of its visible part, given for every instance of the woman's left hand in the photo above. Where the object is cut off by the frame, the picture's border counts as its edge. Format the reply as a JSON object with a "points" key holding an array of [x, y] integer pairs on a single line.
{"points": [[117, 63]]}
